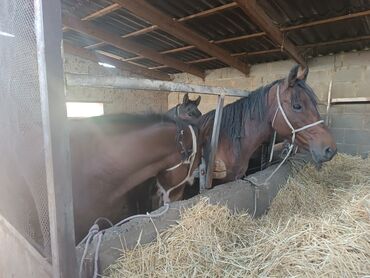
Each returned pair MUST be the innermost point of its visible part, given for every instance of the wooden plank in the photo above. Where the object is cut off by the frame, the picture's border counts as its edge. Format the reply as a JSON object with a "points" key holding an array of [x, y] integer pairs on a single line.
{"points": [[127, 44], [55, 137], [102, 12], [326, 21], [320, 44], [244, 37], [350, 100], [209, 12], [144, 10], [152, 28], [259, 17], [98, 57]]}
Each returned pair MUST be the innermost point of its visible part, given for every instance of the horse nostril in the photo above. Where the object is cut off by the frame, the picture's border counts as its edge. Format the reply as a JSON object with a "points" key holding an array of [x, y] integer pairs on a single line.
{"points": [[329, 152]]}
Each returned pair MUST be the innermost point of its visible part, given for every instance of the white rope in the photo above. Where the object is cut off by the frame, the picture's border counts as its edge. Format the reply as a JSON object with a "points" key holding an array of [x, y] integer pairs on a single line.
{"points": [[94, 231], [190, 160], [272, 146]]}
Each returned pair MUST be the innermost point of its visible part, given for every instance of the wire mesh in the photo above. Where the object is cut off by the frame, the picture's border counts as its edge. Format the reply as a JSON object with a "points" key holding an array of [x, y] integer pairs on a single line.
{"points": [[23, 190]]}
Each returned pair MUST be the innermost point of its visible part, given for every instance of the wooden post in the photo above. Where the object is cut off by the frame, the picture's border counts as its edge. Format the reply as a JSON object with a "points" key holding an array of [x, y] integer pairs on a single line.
{"points": [[48, 25], [214, 140], [329, 103]]}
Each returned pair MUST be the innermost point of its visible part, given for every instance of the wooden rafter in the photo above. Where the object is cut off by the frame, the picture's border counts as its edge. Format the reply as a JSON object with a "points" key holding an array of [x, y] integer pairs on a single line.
{"points": [[127, 44], [107, 10], [277, 50], [155, 27], [262, 34], [148, 12], [98, 57], [256, 14]]}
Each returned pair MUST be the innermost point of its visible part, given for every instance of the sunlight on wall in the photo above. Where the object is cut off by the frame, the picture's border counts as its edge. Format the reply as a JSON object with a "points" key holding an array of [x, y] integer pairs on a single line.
{"points": [[84, 109]]}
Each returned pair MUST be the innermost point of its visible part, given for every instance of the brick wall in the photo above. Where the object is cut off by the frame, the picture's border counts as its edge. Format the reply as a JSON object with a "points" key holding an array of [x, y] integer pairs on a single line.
{"points": [[350, 73], [115, 100]]}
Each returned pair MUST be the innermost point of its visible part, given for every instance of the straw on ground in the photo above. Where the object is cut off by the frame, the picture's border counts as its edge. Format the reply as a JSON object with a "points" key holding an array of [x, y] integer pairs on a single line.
{"points": [[318, 225]]}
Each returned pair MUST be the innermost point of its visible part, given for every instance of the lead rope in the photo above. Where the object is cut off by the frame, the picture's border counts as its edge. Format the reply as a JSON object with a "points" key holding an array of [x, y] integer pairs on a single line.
{"points": [[253, 180], [96, 232]]}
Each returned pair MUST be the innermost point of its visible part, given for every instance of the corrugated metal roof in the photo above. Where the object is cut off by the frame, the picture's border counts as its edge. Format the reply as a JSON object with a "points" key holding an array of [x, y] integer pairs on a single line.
{"points": [[230, 23]]}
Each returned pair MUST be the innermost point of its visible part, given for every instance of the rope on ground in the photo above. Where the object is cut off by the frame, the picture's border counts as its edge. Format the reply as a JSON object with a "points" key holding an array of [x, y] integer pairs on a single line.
{"points": [[95, 231]]}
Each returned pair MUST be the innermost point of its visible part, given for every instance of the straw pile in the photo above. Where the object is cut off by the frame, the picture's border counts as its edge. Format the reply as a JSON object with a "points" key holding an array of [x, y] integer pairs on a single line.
{"points": [[318, 225]]}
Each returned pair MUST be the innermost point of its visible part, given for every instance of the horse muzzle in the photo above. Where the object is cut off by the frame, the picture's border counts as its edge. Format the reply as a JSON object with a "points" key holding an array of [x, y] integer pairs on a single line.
{"points": [[324, 154]]}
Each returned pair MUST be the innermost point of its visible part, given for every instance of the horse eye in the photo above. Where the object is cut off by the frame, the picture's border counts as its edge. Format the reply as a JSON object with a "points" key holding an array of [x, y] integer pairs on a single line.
{"points": [[297, 107]]}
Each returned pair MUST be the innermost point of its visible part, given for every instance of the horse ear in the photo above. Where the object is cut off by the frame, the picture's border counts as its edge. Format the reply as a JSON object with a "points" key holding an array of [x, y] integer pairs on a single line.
{"points": [[303, 74], [292, 78], [197, 101], [186, 98]]}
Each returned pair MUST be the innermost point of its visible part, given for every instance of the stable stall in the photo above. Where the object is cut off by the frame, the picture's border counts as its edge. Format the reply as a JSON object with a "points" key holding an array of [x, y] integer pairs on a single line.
{"points": [[106, 57]]}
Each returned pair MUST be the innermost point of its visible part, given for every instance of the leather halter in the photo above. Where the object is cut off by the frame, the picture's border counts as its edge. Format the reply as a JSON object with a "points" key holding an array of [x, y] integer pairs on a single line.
{"points": [[189, 160]]}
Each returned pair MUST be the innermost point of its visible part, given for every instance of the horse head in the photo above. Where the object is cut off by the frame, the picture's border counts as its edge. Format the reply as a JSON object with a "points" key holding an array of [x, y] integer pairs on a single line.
{"points": [[171, 181], [296, 117], [188, 109]]}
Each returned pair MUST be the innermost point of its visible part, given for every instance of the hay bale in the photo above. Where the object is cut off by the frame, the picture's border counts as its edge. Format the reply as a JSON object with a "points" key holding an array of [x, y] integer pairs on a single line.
{"points": [[318, 225]]}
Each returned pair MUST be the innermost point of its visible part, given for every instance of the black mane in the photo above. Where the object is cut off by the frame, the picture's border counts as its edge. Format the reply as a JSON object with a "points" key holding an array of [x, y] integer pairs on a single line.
{"points": [[252, 107]]}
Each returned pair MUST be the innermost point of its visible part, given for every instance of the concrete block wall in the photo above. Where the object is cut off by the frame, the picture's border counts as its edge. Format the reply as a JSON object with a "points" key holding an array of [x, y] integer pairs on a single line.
{"points": [[115, 101], [350, 73]]}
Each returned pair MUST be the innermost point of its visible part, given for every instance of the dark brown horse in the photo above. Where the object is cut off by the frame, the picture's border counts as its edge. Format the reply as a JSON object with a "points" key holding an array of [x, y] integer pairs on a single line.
{"points": [[112, 154], [186, 110], [251, 121]]}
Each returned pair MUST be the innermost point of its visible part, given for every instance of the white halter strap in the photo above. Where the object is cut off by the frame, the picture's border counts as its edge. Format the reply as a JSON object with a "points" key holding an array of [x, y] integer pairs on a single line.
{"points": [[189, 160], [294, 131], [280, 108]]}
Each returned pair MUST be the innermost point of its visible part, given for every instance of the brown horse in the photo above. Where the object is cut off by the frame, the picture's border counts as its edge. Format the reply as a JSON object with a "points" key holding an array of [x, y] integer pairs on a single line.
{"points": [[112, 154], [186, 110], [284, 106]]}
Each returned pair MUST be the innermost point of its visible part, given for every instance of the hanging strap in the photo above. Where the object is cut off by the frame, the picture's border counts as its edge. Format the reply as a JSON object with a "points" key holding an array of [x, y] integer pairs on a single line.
{"points": [[190, 160]]}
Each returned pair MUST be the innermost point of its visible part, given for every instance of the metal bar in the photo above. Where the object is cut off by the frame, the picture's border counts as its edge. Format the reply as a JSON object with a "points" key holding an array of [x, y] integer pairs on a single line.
{"points": [[329, 103], [202, 171], [214, 140], [48, 25], [350, 100], [120, 82]]}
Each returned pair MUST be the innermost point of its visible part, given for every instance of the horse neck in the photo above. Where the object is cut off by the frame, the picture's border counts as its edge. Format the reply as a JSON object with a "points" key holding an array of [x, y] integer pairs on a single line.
{"points": [[172, 112], [257, 132]]}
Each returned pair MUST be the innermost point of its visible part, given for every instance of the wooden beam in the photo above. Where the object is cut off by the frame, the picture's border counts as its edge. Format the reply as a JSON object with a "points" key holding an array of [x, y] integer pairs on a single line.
{"points": [[311, 45], [262, 34], [152, 28], [239, 54], [98, 57], [102, 12], [326, 21], [262, 20], [209, 12], [93, 30], [276, 50], [144, 10]]}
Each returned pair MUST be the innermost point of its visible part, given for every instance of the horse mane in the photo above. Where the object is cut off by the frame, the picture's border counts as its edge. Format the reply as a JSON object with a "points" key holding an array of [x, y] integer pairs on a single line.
{"points": [[252, 107]]}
